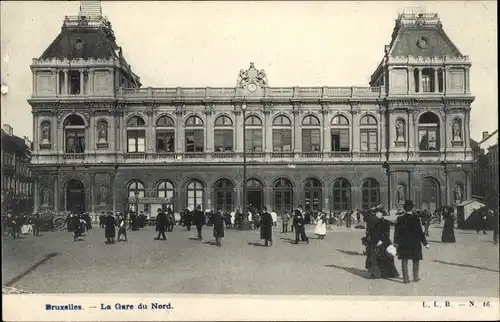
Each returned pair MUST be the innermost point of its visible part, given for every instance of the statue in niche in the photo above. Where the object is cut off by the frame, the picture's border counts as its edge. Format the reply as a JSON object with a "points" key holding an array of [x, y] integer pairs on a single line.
{"points": [[102, 129], [103, 195], [457, 131], [458, 193], [262, 78], [46, 197], [46, 133], [242, 78], [400, 131], [401, 194]]}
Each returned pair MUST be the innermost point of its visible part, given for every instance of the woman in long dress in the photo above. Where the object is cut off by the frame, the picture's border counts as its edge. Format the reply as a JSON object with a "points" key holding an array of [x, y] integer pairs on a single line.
{"points": [[448, 235], [380, 263], [320, 230]]}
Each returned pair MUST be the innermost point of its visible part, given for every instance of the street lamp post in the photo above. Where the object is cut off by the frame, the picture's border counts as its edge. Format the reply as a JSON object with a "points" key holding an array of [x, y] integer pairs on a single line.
{"points": [[244, 221], [136, 201], [445, 182]]}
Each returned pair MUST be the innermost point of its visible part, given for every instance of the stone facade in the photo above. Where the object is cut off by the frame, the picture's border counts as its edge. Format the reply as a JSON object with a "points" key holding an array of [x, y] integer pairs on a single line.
{"points": [[105, 143]]}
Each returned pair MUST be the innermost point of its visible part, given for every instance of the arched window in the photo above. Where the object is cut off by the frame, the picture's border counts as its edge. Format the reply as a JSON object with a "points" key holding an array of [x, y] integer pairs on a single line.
{"points": [[428, 132], [311, 134], [430, 195], [224, 195], [369, 134], [223, 134], [136, 135], [283, 195], [282, 134], [253, 135], [194, 194], [255, 194], [165, 190], [340, 134], [341, 195], [371, 193], [74, 133], [312, 194], [195, 136], [136, 189], [165, 135]]}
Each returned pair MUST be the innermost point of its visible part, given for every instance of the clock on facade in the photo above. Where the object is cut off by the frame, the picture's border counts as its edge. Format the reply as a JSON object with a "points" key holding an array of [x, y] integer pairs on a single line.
{"points": [[252, 87]]}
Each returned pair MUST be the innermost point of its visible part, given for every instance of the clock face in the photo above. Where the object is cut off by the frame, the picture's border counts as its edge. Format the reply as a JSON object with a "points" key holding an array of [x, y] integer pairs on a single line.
{"points": [[252, 87]]}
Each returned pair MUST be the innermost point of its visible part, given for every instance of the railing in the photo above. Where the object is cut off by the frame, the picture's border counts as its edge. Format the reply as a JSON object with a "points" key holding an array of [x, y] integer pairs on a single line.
{"points": [[336, 154], [166, 155], [230, 92], [194, 155], [223, 155], [280, 155], [311, 154], [369, 154], [135, 156], [255, 154], [74, 156]]}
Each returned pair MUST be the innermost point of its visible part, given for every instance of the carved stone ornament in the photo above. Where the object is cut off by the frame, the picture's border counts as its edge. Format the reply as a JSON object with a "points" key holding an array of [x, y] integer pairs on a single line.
{"points": [[458, 193], [45, 132], [401, 194], [252, 76], [457, 130], [46, 197], [102, 128], [103, 193]]}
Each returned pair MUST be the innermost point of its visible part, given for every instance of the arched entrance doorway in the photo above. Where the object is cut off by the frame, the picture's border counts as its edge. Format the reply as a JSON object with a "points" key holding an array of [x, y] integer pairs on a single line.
{"points": [[283, 195], [312, 195], [341, 195], [430, 198], [224, 193], [255, 194], [75, 197]]}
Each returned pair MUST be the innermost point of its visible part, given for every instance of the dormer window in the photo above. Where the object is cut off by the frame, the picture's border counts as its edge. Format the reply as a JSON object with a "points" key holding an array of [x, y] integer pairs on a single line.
{"points": [[75, 79]]}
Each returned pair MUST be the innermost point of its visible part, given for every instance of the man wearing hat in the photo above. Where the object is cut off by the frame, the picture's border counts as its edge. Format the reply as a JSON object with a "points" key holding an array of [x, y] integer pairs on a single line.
{"points": [[161, 224], [199, 220], [408, 238]]}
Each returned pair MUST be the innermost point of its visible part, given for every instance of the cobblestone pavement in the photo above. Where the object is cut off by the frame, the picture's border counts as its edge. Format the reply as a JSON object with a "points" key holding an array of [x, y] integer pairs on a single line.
{"points": [[53, 263]]}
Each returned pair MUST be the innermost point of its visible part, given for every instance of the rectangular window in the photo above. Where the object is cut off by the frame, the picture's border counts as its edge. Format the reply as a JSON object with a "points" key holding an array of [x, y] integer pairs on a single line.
{"points": [[165, 141], [369, 141], [282, 140], [253, 138], [340, 140], [74, 78], [416, 80], [75, 141], [311, 140], [428, 139], [136, 141], [440, 81], [194, 141], [223, 141], [427, 80], [169, 194]]}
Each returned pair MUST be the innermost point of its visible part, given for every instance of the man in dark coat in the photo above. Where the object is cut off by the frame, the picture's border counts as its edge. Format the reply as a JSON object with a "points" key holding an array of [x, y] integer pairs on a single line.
{"points": [[199, 220], [102, 219], [69, 223], [482, 220], [109, 228], [134, 221], [266, 227], [299, 223], [425, 217], [495, 227], [218, 222], [161, 225], [171, 219], [408, 238], [36, 224], [188, 219], [77, 229]]}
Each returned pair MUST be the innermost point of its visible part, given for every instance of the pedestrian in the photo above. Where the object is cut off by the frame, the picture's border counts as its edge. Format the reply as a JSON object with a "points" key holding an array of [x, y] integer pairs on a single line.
{"points": [[218, 222], [266, 227], [320, 229], [102, 218], [76, 224], [188, 218], [36, 224], [199, 221], [232, 218], [275, 217], [122, 229], [285, 218], [299, 223], [161, 224], [426, 221], [109, 228], [448, 235], [408, 238], [358, 216], [482, 220], [379, 262], [495, 227], [134, 221], [348, 219], [171, 219]]}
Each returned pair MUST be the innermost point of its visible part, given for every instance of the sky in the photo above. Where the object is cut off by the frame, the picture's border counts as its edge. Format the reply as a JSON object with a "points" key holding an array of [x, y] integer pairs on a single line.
{"points": [[198, 44]]}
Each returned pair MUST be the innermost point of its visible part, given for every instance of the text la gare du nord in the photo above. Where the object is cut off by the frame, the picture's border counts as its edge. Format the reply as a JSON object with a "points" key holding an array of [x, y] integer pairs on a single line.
{"points": [[141, 306]]}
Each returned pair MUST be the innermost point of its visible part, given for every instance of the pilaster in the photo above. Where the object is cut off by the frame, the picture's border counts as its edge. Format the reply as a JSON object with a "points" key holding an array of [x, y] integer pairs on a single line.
{"points": [[91, 82], [65, 86], [209, 129], [91, 190], [297, 130], [238, 130], [179, 133], [411, 80], [354, 131], [36, 194], [56, 192], [382, 130], [268, 140], [82, 78], [149, 131], [436, 80], [34, 80], [326, 140]]}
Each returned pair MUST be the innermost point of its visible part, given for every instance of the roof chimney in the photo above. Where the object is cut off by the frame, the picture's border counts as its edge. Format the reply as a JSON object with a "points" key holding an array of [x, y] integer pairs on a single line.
{"points": [[90, 9], [485, 135]]}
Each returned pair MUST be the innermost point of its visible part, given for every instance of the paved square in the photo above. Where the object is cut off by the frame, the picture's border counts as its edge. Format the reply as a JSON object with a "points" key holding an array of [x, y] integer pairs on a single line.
{"points": [[53, 263]]}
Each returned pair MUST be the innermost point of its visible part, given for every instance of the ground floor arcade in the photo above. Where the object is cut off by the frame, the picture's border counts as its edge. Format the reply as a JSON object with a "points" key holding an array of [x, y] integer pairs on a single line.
{"points": [[328, 188]]}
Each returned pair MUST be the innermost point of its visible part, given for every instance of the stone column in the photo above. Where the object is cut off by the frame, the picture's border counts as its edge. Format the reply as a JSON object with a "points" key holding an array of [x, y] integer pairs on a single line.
{"points": [[92, 189], [268, 129], [326, 137], [91, 129], [179, 148], [411, 80], [382, 130], [446, 72], [238, 131], [297, 131], [123, 134], [56, 192], [54, 81], [467, 80], [420, 89], [90, 90], [436, 82], [209, 130], [65, 86], [354, 131], [82, 76], [466, 134], [149, 132], [34, 73], [113, 191], [56, 131], [36, 130], [468, 185], [36, 194]]}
